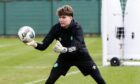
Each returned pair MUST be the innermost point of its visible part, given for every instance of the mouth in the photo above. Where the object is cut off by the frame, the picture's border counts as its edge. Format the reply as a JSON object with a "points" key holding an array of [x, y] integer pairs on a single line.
{"points": [[62, 24]]}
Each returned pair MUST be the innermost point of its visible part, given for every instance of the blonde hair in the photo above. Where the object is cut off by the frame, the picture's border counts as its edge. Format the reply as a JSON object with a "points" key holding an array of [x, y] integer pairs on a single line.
{"points": [[65, 10]]}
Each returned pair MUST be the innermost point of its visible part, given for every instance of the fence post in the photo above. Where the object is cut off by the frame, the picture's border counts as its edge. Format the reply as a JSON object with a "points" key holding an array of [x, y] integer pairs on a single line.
{"points": [[4, 19], [52, 13]]}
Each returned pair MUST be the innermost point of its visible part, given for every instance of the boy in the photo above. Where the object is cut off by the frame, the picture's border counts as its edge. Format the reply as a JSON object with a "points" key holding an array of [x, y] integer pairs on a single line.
{"points": [[71, 46]]}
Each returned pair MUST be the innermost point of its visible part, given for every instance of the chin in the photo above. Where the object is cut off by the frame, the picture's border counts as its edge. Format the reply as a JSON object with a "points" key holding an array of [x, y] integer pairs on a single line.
{"points": [[63, 26]]}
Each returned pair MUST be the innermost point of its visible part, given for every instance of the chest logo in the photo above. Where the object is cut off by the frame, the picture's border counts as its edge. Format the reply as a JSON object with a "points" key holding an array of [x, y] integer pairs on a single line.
{"points": [[71, 38], [59, 38]]}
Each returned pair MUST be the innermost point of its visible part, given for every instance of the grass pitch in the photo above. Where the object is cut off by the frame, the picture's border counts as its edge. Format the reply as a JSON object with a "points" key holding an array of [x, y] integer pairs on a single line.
{"points": [[21, 64]]}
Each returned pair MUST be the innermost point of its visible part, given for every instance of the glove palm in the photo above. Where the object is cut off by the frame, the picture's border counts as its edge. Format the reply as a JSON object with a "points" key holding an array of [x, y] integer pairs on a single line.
{"points": [[59, 48], [32, 43]]}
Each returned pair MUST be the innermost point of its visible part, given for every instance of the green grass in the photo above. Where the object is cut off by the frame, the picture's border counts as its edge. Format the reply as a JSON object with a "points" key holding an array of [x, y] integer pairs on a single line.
{"points": [[20, 64]]}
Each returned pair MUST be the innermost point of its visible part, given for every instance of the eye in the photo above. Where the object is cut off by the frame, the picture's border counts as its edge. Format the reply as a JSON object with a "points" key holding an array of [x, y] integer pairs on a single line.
{"points": [[63, 17]]}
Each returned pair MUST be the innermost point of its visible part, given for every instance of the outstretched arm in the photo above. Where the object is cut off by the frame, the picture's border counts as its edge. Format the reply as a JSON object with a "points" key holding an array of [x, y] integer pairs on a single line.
{"points": [[45, 43]]}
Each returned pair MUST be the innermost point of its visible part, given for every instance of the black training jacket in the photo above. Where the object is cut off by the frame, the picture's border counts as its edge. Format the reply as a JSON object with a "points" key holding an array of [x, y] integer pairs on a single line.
{"points": [[70, 37]]}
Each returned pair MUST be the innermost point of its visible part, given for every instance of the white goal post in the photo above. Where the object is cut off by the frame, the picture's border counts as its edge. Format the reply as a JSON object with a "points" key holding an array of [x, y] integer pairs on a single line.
{"points": [[120, 36]]}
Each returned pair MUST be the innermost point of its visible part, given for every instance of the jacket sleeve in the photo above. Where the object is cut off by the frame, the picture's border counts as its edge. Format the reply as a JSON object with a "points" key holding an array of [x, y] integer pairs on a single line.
{"points": [[47, 40], [78, 39]]}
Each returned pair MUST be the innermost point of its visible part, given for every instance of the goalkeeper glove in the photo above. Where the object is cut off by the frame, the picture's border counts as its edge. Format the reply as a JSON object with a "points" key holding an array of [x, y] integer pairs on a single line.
{"points": [[59, 48], [32, 43]]}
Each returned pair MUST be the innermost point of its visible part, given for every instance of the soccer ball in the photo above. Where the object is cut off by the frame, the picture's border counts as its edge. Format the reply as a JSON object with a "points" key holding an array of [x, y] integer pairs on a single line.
{"points": [[26, 34]]}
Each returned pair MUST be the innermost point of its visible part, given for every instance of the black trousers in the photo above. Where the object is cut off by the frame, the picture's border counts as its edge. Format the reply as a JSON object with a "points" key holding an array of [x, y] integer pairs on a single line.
{"points": [[86, 67]]}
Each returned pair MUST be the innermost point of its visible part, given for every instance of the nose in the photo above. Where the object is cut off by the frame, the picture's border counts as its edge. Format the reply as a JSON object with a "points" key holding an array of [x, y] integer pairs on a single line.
{"points": [[60, 19]]}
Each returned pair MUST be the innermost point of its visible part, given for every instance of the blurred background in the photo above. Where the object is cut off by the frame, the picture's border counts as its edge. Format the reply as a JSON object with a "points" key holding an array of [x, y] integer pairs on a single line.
{"points": [[41, 15], [21, 64]]}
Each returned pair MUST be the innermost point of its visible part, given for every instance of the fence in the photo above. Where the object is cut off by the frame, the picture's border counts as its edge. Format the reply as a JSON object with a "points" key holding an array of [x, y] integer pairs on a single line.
{"points": [[41, 15]]}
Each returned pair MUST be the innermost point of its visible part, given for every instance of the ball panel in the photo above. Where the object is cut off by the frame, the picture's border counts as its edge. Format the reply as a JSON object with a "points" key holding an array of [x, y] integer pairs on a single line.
{"points": [[26, 34]]}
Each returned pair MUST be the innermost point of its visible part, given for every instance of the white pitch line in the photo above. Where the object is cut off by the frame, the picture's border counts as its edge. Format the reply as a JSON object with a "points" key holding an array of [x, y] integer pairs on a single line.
{"points": [[69, 74], [34, 82], [37, 81]]}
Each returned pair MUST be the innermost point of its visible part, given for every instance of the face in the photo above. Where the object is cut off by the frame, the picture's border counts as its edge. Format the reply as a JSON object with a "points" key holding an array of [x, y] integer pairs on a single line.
{"points": [[65, 21]]}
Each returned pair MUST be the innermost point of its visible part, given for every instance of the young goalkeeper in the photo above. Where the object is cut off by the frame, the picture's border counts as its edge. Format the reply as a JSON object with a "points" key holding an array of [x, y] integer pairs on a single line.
{"points": [[71, 46]]}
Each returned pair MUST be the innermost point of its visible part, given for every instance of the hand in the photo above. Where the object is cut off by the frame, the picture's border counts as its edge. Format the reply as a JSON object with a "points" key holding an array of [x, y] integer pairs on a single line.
{"points": [[59, 48], [32, 43]]}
